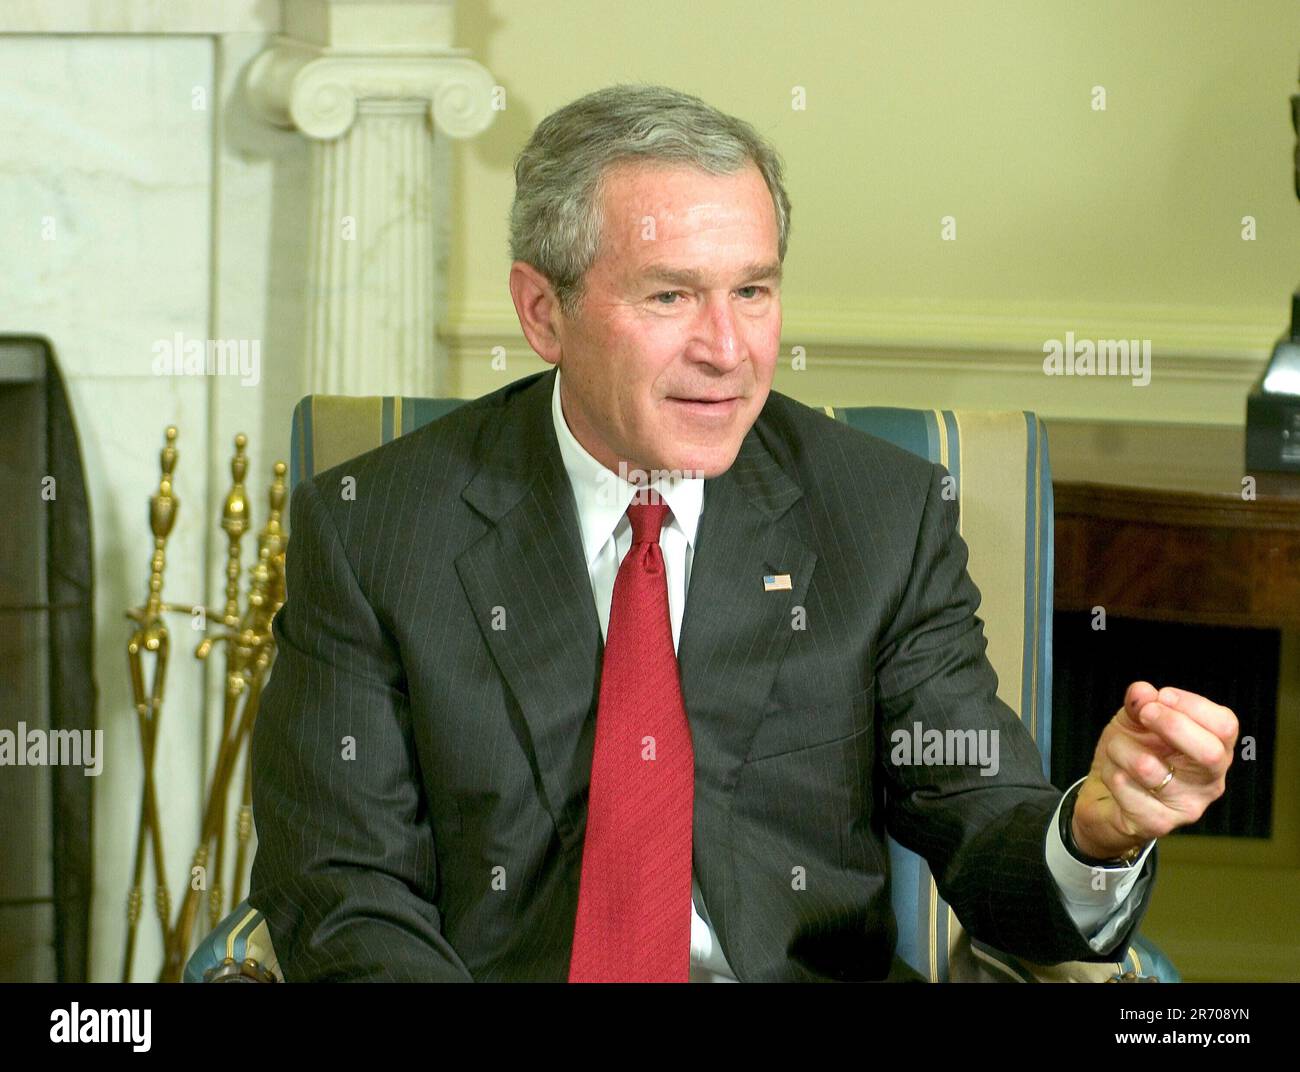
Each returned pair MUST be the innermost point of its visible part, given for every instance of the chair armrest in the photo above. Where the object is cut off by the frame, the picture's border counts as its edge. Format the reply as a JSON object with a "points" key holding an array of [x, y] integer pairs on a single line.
{"points": [[239, 950], [976, 962]]}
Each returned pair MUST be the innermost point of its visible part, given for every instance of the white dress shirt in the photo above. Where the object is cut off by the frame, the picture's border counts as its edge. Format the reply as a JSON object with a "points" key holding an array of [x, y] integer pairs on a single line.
{"points": [[602, 498]]}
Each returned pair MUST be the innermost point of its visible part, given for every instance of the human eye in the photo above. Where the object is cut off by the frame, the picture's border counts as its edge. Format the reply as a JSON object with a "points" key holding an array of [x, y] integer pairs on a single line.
{"points": [[665, 294], [754, 286]]}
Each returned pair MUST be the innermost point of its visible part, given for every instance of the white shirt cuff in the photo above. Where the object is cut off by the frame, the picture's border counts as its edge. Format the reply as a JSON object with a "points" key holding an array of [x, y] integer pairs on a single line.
{"points": [[1100, 900]]}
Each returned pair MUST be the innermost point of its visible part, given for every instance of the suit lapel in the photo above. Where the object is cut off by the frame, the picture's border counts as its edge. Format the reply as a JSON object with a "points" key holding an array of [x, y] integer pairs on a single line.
{"points": [[734, 632], [527, 582]]}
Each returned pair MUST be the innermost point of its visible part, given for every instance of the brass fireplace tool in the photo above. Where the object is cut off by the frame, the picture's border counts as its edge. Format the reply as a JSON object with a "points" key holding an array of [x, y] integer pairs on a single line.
{"points": [[250, 650]]}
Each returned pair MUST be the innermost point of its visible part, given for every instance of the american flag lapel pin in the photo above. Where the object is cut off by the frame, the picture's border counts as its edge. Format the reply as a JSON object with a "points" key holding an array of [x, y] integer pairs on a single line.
{"points": [[779, 582]]}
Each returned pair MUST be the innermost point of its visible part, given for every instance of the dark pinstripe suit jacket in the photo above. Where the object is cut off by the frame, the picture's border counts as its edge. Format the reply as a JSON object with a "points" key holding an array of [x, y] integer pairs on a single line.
{"points": [[423, 750]]}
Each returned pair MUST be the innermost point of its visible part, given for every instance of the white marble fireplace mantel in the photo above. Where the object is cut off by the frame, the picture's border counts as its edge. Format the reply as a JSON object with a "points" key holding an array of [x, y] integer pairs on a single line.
{"points": [[151, 190]]}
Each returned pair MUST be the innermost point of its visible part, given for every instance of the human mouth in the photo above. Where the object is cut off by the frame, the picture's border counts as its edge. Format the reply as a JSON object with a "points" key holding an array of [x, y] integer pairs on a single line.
{"points": [[717, 409]]}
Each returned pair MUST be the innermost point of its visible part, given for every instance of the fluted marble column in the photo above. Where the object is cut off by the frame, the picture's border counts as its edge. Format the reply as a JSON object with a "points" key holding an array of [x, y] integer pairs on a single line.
{"points": [[371, 84]]}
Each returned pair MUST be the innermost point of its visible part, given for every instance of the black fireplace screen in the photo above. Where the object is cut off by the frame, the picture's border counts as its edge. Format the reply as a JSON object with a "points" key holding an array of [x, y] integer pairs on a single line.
{"points": [[47, 686], [1091, 669]]}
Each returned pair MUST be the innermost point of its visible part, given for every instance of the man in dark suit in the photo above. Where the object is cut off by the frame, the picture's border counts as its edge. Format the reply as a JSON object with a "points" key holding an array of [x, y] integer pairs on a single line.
{"points": [[596, 677]]}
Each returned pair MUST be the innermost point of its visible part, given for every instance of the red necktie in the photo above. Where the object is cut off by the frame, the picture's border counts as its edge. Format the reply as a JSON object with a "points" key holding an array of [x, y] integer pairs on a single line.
{"points": [[634, 899]]}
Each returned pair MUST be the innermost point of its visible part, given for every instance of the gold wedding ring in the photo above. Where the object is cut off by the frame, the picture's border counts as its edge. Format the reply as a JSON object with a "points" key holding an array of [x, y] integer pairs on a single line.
{"points": [[1168, 778]]}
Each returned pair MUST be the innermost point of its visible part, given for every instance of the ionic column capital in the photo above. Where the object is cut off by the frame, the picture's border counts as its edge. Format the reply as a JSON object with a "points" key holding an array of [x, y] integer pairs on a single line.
{"points": [[317, 90]]}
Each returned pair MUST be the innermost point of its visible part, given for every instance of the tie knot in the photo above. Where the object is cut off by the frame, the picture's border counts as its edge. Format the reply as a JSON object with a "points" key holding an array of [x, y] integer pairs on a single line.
{"points": [[647, 519]]}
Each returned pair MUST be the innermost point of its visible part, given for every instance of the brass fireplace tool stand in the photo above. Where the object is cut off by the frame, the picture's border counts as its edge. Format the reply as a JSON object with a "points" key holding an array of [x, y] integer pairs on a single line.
{"points": [[249, 650]]}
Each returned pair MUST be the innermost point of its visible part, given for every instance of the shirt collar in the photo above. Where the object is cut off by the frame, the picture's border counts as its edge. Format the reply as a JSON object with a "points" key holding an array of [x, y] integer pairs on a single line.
{"points": [[603, 496]]}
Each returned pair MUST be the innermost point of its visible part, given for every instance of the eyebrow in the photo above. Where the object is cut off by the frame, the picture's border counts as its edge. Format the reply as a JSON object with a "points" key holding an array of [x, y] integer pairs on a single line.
{"points": [[689, 277]]}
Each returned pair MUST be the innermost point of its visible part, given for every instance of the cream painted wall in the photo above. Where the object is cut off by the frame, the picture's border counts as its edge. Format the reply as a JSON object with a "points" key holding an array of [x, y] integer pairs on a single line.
{"points": [[1122, 223]]}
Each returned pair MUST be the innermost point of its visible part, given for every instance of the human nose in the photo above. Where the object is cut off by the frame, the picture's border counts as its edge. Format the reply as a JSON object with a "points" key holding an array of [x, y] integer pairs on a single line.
{"points": [[716, 338]]}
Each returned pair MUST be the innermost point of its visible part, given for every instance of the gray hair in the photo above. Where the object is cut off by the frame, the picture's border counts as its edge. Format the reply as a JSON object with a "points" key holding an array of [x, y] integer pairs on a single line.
{"points": [[556, 219]]}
